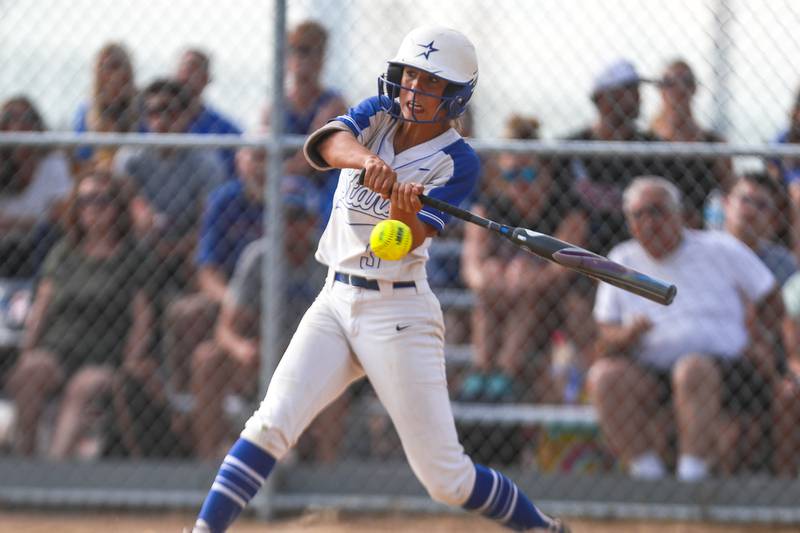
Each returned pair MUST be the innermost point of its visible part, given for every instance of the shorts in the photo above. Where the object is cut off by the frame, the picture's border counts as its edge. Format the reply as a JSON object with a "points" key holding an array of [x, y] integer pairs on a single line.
{"points": [[743, 388]]}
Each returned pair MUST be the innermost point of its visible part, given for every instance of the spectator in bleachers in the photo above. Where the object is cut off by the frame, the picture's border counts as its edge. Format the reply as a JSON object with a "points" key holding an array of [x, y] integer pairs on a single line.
{"points": [[234, 217], [34, 183], [309, 104], [599, 180], [114, 105], [229, 362], [787, 169], [786, 428], [170, 185], [675, 121], [91, 315], [517, 295], [751, 216], [693, 363], [194, 72]]}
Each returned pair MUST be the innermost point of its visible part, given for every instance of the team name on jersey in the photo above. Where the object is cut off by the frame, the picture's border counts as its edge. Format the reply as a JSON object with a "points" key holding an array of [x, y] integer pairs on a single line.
{"points": [[358, 198]]}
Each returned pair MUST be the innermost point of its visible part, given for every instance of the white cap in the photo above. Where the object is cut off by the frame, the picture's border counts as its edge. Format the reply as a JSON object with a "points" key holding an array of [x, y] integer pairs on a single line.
{"points": [[618, 74]]}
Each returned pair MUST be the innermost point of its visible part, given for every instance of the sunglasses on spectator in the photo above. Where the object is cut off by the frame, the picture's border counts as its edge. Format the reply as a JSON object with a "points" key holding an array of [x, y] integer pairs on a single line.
{"points": [[651, 211], [678, 81], [524, 174], [95, 199], [755, 202], [163, 109], [304, 50]]}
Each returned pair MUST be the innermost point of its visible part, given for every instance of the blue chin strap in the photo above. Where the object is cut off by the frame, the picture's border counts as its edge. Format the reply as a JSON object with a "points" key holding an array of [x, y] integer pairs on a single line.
{"points": [[453, 101]]}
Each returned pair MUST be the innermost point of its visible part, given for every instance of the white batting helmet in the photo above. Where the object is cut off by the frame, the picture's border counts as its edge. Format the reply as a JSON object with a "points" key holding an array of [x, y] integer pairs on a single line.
{"points": [[441, 51]]}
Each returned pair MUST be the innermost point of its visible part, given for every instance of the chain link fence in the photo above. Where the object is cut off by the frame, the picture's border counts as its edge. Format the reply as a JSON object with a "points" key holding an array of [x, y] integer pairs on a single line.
{"points": [[132, 256]]}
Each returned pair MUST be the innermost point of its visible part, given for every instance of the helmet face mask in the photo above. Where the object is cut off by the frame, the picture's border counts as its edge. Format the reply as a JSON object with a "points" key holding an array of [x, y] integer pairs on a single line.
{"points": [[442, 52]]}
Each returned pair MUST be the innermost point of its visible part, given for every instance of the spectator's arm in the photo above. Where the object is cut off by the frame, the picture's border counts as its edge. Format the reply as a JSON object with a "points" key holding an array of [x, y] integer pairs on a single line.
{"points": [[141, 329], [244, 349], [620, 339], [574, 230], [474, 252], [33, 324], [767, 333], [212, 282]]}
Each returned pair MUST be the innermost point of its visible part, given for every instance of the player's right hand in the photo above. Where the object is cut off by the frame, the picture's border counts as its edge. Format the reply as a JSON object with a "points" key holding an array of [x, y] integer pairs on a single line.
{"points": [[379, 176]]}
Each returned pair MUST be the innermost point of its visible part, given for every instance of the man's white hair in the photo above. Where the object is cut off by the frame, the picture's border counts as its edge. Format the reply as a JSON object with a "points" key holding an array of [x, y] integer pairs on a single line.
{"points": [[642, 183]]}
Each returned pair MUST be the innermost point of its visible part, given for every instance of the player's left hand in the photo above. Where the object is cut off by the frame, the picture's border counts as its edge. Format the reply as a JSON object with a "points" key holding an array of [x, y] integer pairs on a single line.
{"points": [[405, 197]]}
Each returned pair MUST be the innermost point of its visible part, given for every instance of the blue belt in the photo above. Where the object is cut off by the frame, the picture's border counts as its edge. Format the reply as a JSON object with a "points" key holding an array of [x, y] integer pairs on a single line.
{"points": [[371, 284]]}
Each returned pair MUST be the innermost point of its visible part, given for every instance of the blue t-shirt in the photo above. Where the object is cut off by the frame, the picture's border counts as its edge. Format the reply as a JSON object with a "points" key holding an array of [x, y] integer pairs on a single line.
{"points": [[211, 121], [790, 170], [231, 221]]}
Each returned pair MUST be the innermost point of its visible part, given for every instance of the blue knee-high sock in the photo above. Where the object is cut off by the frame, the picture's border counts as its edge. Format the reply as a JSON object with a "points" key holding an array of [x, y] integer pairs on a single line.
{"points": [[497, 497], [241, 475]]}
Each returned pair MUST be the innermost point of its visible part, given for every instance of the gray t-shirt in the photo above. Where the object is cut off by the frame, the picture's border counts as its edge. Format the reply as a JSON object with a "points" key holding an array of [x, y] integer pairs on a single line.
{"points": [[301, 284], [176, 185]]}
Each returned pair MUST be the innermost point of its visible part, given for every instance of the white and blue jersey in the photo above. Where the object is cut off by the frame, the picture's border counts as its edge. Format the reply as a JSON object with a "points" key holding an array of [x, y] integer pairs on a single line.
{"points": [[446, 166]]}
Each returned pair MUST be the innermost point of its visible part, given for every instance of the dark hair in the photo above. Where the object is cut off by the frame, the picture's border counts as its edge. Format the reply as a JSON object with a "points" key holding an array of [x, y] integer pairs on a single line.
{"points": [[174, 90], [201, 55], [31, 113], [775, 188], [122, 223]]}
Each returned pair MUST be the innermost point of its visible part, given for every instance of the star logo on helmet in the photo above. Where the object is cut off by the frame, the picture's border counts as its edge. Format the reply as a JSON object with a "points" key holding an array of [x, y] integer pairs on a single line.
{"points": [[429, 49]]}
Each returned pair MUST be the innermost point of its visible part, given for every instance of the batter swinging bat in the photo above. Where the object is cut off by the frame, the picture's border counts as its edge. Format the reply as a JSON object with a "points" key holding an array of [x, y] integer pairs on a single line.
{"points": [[565, 254]]}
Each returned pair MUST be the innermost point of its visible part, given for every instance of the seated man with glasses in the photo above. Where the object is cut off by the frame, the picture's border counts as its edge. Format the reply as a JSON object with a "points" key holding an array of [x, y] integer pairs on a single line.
{"points": [[694, 365], [169, 184]]}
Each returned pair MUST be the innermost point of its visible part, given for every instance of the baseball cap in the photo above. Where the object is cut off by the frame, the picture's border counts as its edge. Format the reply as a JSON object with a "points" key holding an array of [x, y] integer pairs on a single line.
{"points": [[618, 74]]}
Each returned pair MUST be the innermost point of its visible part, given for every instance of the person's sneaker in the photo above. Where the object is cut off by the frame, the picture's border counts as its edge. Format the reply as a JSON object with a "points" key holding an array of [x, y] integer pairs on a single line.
{"points": [[559, 526]]}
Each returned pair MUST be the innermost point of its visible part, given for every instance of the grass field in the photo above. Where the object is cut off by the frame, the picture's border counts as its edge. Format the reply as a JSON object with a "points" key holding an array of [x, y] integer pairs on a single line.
{"points": [[332, 522]]}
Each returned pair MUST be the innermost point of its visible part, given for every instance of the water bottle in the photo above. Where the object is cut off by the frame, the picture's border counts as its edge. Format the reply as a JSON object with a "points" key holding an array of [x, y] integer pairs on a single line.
{"points": [[565, 368], [713, 212]]}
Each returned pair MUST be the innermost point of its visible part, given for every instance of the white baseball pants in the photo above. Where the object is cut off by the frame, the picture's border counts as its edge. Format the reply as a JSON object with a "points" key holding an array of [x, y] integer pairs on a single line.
{"points": [[396, 338]]}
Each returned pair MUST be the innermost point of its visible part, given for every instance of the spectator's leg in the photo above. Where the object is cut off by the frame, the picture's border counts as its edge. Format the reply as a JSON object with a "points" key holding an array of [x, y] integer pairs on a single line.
{"points": [[82, 388], [190, 320], [328, 430], [697, 389], [211, 373], [786, 428], [627, 401], [486, 317], [33, 379]]}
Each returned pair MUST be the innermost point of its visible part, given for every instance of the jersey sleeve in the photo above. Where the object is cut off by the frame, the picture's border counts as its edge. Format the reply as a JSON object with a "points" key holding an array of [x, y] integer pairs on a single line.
{"points": [[454, 185], [361, 120]]}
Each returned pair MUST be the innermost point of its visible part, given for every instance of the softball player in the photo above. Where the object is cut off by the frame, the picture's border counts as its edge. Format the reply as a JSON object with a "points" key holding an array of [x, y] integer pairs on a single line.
{"points": [[379, 318]]}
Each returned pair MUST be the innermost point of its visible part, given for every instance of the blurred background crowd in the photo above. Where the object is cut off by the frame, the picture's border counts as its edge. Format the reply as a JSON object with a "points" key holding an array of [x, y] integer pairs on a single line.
{"points": [[131, 280]]}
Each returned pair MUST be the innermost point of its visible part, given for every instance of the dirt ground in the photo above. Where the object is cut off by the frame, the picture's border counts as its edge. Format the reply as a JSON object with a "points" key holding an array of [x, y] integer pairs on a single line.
{"points": [[332, 522]]}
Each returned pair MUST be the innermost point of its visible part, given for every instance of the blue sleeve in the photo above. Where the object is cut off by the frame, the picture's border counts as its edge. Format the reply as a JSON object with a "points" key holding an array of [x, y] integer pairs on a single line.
{"points": [[211, 232], [466, 167], [358, 117], [79, 125]]}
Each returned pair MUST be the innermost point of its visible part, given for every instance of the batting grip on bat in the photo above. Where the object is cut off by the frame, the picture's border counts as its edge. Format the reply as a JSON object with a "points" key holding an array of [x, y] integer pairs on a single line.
{"points": [[564, 254]]}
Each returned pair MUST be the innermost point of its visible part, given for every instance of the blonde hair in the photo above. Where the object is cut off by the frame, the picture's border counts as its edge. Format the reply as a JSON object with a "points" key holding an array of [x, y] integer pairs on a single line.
{"points": [[120, 114], [522, 127]]}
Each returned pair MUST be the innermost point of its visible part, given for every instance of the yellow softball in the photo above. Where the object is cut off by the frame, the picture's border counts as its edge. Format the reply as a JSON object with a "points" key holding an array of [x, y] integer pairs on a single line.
{"points": [[390, 240]]}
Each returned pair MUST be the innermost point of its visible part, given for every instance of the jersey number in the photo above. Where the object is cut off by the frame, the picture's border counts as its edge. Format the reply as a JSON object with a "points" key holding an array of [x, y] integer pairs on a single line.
{"points": [[369, 260]]}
